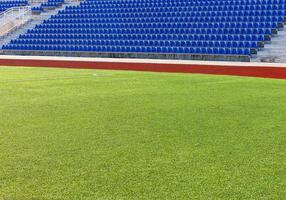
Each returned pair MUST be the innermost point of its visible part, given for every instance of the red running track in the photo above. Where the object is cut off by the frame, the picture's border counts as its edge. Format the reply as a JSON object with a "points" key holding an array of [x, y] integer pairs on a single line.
{"points": [[218, 68]]}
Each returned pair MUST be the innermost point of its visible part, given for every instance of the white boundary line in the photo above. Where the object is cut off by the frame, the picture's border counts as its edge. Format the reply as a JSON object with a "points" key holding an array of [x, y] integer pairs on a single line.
{"points": [[148, 61]]}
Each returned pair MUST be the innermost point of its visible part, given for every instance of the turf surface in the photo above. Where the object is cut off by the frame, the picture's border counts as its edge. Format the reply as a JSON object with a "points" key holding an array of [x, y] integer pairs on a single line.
{"points": [[89, 134]]}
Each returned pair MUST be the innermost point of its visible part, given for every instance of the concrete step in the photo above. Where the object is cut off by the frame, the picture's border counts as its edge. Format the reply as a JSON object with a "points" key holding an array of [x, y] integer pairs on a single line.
{"points": [[274, 51]]}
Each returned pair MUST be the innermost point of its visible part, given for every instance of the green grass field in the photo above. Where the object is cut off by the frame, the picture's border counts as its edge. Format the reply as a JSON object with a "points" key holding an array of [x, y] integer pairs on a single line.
{"points": [[91, 134]]}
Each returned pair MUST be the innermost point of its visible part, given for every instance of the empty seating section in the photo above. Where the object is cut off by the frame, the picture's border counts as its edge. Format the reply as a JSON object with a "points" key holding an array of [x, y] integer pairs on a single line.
{"points": [[228, 27], [6, 4], [48, 4]]}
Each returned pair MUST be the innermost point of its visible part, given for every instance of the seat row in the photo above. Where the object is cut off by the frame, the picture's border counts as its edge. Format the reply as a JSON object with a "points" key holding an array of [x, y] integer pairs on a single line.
{"points": [[152, 31], [191, 19], [157, 43], [222, 13], [140, 8], [13, 2], [175, 25], [138, 37], [92, 19], [179, 7], [162, 3], [130, 49]]}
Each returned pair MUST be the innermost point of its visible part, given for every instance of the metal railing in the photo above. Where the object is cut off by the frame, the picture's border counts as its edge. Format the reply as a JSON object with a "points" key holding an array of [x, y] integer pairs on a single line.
{"points": [[13, 18]]}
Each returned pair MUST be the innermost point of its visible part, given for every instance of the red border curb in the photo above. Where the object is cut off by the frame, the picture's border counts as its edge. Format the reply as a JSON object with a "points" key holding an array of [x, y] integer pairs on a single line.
{"points": [[251, 71]]}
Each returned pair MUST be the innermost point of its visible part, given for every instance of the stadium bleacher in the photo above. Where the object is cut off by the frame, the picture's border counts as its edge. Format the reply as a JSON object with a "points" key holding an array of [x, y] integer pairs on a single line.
{"points": [[6, 4], [204, 27]]}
